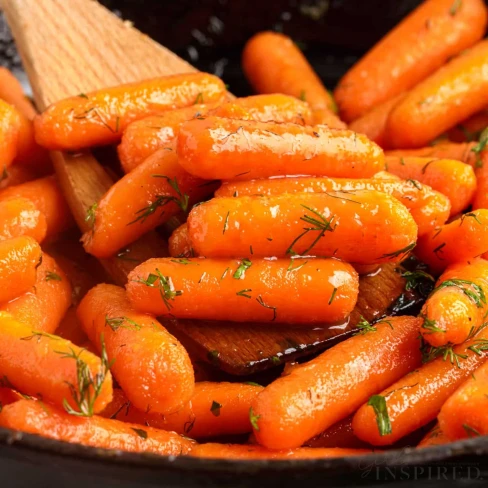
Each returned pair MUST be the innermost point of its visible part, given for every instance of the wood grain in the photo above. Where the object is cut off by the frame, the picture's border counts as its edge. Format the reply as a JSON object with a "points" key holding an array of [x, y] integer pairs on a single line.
{"points": [[74, 46]]}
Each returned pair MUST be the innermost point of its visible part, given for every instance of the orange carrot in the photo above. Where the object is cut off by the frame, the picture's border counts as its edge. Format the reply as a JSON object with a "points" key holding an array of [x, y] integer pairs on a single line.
{"points": [[215, 409], [323, 391], [470, 129], [48, 198], [19, 259], [20, 217], [438, 29], [284, 225], [242, 451], [452, 178], [150, 364], [450, 95], [428, 208], [71, 330], [273, 63], [9, 134], [218, 148], [458, 304], [465, 413], [373, 122], [7, 396], [326, 117], [338, 435], [480, 199], [280, 291], [435, 437], [416, 399], [11, 92], [53, 369], [16, 175], [179, 243], [37, 418], [101, 116], [43, 307], [147, 197], [460, 240], [444, 150], [144, 137]]}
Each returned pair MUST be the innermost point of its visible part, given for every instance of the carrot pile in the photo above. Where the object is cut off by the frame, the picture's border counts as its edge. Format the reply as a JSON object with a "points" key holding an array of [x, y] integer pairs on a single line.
{"points": [[275, 202]]}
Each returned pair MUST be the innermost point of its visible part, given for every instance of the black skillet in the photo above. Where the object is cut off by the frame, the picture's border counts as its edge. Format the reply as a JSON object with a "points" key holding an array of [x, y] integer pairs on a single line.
{"points": [[210, 34]]}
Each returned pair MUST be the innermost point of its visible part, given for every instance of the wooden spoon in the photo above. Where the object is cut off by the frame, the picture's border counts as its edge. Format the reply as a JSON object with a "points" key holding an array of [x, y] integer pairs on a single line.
{"points": [[78, 46]]}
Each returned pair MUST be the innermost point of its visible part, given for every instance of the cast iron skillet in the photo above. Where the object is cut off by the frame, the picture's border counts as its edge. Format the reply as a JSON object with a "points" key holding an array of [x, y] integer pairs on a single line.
{"points": [[210, 34]]}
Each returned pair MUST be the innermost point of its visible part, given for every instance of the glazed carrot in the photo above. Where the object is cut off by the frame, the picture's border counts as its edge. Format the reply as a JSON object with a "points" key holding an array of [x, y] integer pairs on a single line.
{"points": [[465, 413], [144, 137], [47, 421], [7, 396], [218, 148], [444, 150], [416, 399], [9, 134], [48, 198], [273, 63], [326, 117], [460, 240], [458, 304], [373, 122], [428, 207], [45, 304], [51, 368], [147, 197], [338, 435], [20, 217], [284, 225], [16, 175], [11, 92], [470, 129], [150, 364], [323, 391], [438, 29], [480, 199], [243, 451], [453, 93], [316, 291], [434, 437], [454, 179], [179, 243], [267, 108], [71, 329], [215, 409], [19, 259], [100, 117]]}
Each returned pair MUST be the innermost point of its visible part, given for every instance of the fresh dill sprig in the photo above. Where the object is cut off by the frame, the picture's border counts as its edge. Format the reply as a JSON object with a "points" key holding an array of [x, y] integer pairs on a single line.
{"points": [[165, 286]]}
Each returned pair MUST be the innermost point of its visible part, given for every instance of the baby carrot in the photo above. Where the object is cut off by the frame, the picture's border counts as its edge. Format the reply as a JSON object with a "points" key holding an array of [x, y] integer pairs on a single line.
{"points": [[215, 409], [20, 217], [338, 435], [480, 199], [326, 117], [16, 175], [218, 148], [53, 369], [9, 134], [150, 364], [458, 304], [284, 225], [243, 451], [100, 117], [460, 240], [144, 137], [417, 398], [323, 391], [11, 92], [36, 418], [454, 179], [373, 122], [19, 259], [48, 198], [179, 244], [273, 63], [438, 29], [450, 95], [470, 129], [428, 207], [147, 197], [7, 396], [45, 304], [435, 437], [279, 291], [465, 413], [71, 330]]}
